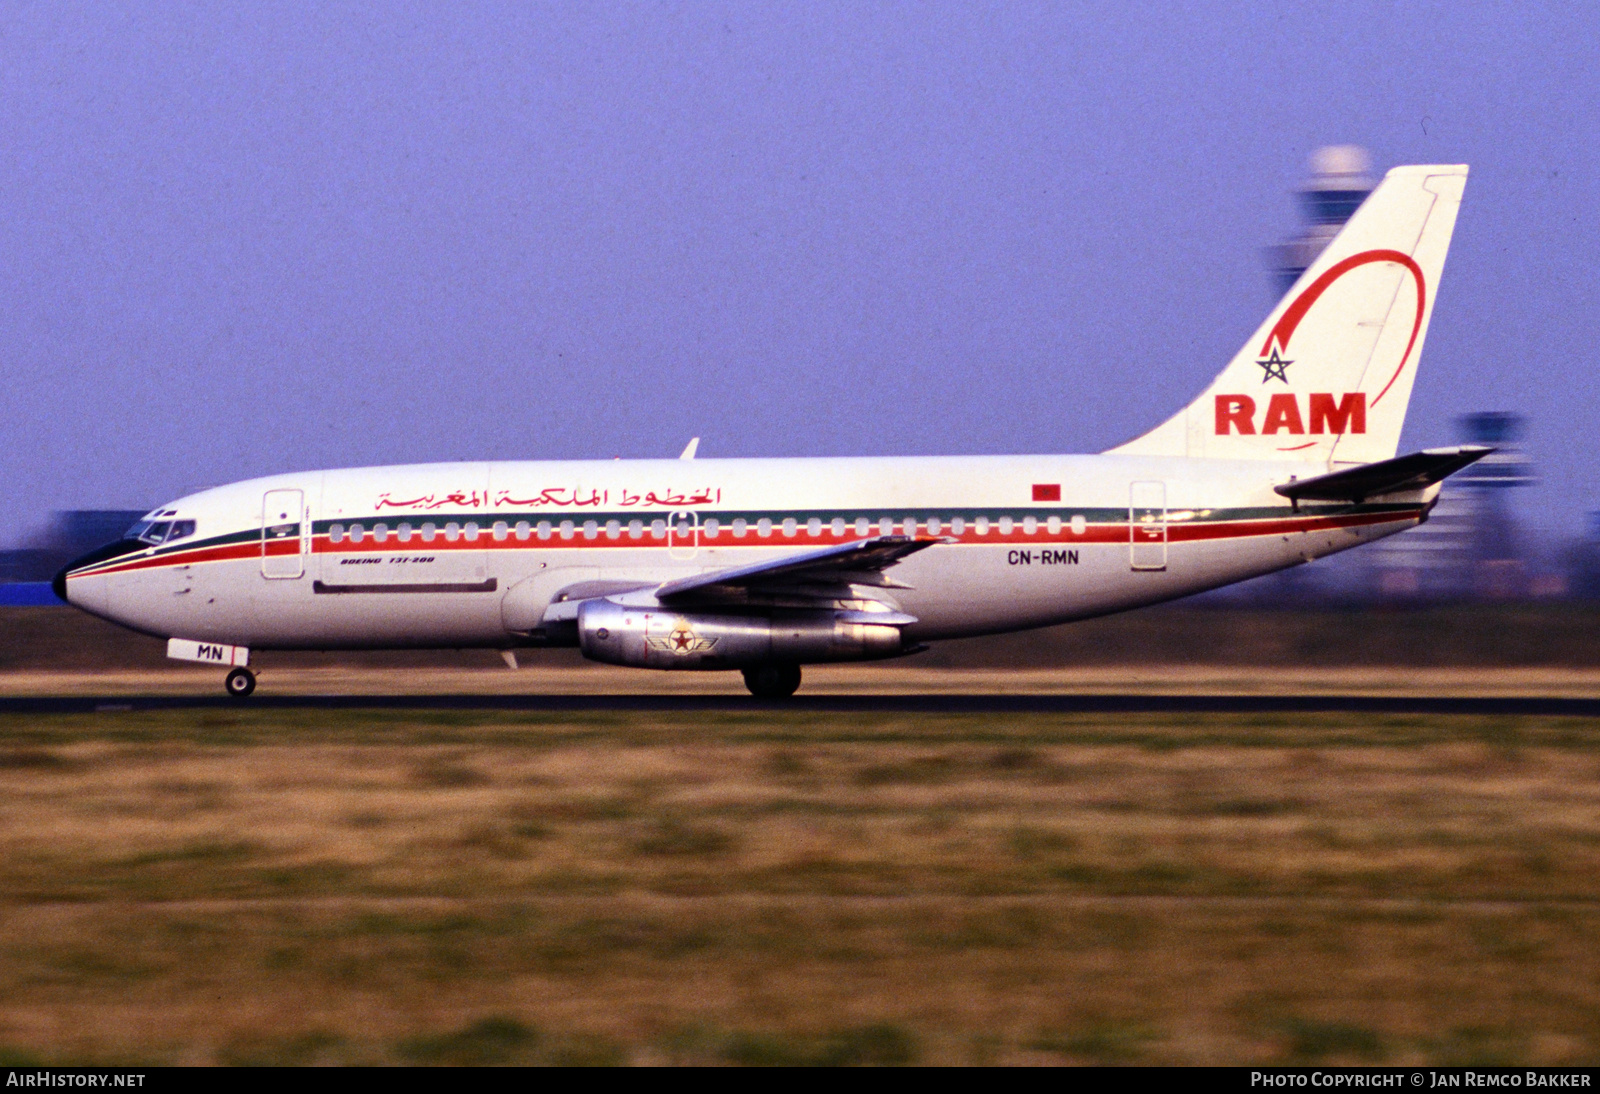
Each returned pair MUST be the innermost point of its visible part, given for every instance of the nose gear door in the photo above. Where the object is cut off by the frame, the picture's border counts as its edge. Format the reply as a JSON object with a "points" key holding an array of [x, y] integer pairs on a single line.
{"points": [[283, 538]]}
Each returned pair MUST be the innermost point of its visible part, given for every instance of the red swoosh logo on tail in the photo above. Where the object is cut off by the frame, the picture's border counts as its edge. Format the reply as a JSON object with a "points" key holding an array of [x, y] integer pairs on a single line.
{"points": [[1284, 329]]}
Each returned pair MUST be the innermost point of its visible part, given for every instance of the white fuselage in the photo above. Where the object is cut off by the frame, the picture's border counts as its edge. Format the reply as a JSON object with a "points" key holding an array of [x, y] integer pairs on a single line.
{"points": [[471, 554]]}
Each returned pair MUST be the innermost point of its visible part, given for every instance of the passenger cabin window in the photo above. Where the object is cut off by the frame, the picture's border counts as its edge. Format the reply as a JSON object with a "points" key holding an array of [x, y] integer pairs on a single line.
{"points": [[636, 529], [452, 531], [764, 527], [356, 532], [523, 530], [814, 527], [471, 531], [958, 526], [740, 527], [543, 530], [837, 527], [886, 526], [380, 532], [1005, 526], [336, 533], [501, 530], [1030, 525], [428, 532], [863, 526], [934, 526], [980, 525], [710, 528], [404, 532]]}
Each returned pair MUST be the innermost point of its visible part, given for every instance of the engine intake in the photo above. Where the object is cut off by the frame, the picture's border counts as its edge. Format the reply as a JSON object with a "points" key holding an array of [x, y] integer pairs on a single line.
{"points": [[660, 638]]}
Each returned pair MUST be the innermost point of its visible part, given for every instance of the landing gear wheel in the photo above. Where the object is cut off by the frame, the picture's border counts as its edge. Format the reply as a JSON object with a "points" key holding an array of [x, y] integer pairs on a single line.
{"points": [[772, 681], [240, 683]]}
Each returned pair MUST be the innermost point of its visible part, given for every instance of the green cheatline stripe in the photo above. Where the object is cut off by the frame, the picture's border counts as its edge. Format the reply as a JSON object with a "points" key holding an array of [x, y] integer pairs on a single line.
{"points": [[252, 535], [1118, 515]]}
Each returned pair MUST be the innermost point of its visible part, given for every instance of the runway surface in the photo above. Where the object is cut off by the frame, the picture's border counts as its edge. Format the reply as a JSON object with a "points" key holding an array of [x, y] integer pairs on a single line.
{"points": [[836, 704]]}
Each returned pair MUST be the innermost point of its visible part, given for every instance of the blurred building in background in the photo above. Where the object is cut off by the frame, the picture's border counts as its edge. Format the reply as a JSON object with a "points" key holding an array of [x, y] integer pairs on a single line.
{"points": [[1340, 181], [1472, 545], [70, 533], [1583, 560]]}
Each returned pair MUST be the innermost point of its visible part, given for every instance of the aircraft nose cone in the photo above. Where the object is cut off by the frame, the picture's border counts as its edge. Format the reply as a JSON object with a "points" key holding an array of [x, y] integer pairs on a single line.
{"points": [[58, 584]]}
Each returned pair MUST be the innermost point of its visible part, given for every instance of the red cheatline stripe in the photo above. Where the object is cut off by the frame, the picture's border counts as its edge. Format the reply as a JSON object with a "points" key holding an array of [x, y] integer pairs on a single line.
{"points": [[223, 553], [1242, 529], [1177, 532]]}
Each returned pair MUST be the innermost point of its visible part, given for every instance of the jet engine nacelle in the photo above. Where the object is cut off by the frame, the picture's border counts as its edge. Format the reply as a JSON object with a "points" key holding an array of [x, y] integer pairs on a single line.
{"points": [[660, 638]]}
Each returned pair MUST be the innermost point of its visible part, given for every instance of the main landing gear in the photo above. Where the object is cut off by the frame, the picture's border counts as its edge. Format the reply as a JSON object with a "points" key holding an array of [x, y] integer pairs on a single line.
{"points": [[240, 683], [772, 681]]}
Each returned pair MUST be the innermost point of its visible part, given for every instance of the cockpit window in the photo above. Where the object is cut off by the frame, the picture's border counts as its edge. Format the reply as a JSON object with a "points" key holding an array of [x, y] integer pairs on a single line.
{"points": [[157, 532]]}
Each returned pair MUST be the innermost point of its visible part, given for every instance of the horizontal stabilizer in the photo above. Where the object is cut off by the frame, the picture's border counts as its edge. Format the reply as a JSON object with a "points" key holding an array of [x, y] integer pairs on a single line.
{"points": [[1403, 473]]}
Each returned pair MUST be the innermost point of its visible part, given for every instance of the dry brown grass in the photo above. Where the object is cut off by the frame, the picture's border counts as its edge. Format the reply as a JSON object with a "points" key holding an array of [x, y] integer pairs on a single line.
{"points": [[479, 887]]}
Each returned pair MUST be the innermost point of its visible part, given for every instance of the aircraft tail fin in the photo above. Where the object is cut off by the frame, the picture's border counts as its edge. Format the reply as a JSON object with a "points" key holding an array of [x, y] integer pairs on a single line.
{"points": [[1329, 374]]}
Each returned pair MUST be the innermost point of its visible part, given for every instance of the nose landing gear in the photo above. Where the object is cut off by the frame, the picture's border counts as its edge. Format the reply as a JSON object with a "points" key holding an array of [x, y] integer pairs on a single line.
{"points": [[772, 681], [240, 683]]}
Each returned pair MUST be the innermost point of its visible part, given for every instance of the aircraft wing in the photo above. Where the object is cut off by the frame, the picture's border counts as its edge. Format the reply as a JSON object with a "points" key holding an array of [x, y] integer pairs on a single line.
{"points": [[1413, 472], [820, 579], [820, 573]]}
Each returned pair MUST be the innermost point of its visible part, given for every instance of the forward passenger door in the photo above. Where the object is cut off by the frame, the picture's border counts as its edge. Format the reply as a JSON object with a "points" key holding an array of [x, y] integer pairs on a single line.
{"points": [[285, 538]]}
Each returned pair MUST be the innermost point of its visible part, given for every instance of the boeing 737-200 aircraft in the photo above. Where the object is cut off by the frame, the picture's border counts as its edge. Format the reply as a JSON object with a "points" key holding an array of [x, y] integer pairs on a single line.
{"points": [[765, 565]]}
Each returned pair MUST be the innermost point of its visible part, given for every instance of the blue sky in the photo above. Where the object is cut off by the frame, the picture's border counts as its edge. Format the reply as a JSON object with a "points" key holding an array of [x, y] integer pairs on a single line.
{"points": [[240, 239]]}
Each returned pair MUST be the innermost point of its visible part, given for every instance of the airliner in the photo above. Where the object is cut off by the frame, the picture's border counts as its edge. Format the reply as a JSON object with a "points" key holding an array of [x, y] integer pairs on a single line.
{"points": [[766, 565]]}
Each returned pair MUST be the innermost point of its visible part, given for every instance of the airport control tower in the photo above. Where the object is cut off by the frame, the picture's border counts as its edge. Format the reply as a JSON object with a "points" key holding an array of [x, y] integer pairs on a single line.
{"points": [[1340, 181], [1470, 547]]}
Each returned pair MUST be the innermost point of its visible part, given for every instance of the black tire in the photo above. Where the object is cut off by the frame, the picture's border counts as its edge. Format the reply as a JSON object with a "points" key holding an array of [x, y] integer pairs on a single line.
{"points": [[772, 681], [240, 683]]}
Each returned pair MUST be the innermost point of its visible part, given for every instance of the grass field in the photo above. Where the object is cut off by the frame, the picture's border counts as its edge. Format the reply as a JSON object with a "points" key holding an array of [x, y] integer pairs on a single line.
{"points": [[260, 886]]}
